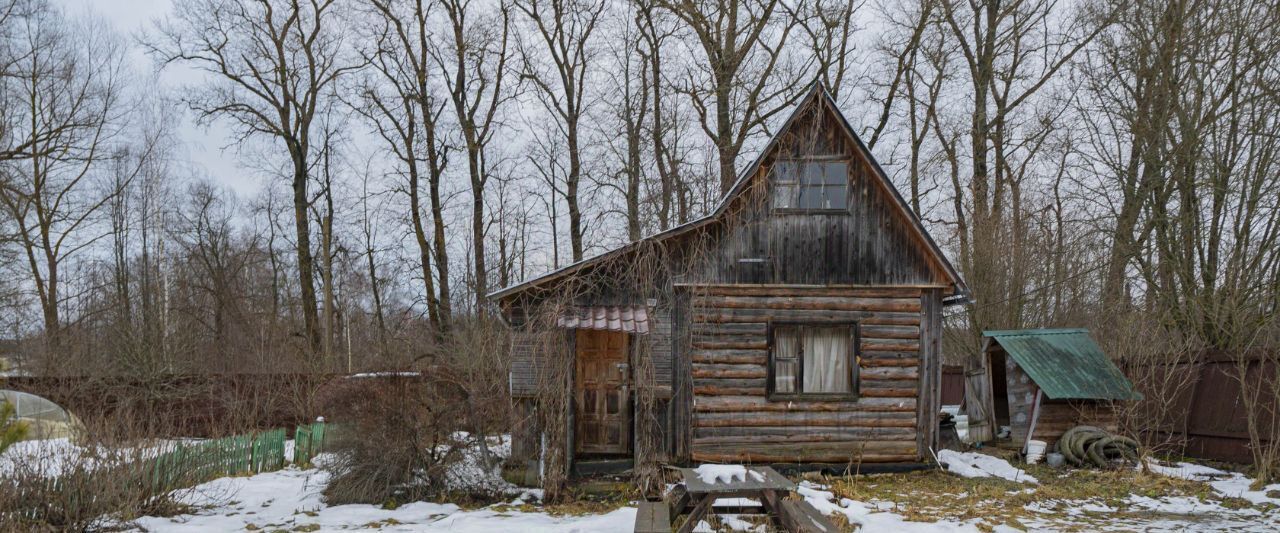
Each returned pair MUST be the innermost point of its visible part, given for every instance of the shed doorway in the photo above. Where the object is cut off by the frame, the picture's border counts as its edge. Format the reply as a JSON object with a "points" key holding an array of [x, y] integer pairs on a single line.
{"points": [[998, 364], [602, 393]]}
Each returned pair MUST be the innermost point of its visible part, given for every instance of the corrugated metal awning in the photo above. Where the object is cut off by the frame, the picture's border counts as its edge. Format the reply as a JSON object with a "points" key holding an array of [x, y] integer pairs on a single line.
{"points": [[1065, 364], [628, 318]]}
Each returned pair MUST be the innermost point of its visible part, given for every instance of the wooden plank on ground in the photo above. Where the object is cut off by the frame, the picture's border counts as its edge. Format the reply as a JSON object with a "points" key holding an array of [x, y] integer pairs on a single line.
{"points": [[653, 517], [799, 516]]}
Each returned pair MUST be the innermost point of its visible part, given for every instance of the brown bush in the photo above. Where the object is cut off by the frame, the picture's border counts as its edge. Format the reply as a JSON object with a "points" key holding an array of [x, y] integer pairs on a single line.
{"points": [[100, 482], [393, 437]]}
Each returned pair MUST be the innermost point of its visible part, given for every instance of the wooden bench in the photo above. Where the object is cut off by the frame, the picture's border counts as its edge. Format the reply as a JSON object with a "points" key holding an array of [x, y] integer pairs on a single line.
{"points": [[653, 517], [800, 517]]}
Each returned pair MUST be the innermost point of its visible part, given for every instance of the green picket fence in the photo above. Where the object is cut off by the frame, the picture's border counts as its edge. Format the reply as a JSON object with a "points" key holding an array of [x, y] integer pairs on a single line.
{"points": [[307, 440], [190, 464]]}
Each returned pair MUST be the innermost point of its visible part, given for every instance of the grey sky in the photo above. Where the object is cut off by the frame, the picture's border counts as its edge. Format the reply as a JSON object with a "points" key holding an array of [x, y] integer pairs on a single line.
{"points": [[203, 146]]}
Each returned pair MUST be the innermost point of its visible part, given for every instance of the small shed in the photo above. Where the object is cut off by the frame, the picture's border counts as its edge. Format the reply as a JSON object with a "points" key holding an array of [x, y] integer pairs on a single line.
{"points": [[1042, 382]]}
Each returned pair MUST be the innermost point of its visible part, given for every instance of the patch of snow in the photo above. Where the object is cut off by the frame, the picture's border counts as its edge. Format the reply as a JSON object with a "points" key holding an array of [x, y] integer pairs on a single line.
{"points": [[1229, 484], [51, 457], [475, 472], [972, 464], [713, 474], [870, 518], [290, 499], [384, 375], [738, 524], [736, 502]]}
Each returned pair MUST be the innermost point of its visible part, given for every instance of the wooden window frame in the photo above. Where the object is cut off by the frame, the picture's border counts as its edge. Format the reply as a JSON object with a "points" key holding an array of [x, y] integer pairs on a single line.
{"points": [[855, 337], [773, 185]]}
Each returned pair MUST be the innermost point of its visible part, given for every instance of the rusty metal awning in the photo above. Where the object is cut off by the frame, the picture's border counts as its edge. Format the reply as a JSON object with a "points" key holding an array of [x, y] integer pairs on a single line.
{"points": [[627, 318]]}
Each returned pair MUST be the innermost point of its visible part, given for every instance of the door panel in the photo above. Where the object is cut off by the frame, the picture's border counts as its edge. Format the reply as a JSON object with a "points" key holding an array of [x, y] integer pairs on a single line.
{"points": [[602, 392]]}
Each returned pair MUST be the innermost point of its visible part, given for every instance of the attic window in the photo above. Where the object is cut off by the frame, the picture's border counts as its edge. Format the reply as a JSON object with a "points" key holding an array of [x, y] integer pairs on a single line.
{"points": [[811, 185]]}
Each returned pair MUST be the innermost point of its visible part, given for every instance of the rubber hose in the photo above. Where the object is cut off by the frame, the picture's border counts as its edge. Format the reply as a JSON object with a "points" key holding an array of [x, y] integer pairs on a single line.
{"points": [[1097, 452], [1066, 444], [1080, 445]]}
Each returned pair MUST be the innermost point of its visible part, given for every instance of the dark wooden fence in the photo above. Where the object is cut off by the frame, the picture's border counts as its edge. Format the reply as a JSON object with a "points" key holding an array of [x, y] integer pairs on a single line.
{"points": [[952, 384], [1207, 415], [206, 405]]}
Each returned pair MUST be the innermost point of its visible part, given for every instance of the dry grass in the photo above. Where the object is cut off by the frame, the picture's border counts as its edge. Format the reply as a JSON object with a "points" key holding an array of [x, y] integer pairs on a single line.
{"points": [[933, 495]]}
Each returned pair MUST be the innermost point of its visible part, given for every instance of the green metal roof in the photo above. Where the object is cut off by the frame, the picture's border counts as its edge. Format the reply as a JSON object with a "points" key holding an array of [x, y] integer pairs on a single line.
{"points": [[1065, 363]]}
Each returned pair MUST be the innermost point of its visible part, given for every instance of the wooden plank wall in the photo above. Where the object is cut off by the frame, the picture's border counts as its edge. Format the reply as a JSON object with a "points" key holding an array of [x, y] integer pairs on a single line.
{"points": [[1056, 416], [930, 371], [733, 421]]}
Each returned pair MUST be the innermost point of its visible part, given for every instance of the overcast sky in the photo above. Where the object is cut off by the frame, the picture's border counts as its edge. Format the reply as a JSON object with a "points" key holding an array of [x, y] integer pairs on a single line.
{"points": [[203, 146]]}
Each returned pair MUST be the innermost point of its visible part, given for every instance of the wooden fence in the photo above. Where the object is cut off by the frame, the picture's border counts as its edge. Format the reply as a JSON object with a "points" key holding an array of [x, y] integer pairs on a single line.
{"points": [[182, 466], [1206, 416], [201, 405]]}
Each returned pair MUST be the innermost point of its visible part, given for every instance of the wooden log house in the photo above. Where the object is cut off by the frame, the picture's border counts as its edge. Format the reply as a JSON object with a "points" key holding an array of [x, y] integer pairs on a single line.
{"points": [[799, 322]]}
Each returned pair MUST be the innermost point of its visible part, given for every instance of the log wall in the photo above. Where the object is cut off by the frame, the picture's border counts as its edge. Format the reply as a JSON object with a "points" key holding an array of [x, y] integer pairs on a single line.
{"points": [[734, 421]]}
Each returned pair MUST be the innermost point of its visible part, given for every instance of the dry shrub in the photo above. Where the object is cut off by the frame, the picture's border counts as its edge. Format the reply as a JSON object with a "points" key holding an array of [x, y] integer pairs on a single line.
{"points": [[393, 437], [100, 482]]}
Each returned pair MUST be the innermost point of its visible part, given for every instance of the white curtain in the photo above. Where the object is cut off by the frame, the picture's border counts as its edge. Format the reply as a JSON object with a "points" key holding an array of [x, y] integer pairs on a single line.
{"points": [[826, 360], [786, 352]]}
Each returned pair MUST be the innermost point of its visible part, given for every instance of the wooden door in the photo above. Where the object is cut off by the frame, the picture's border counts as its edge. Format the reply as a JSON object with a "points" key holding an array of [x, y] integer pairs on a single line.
{"points": [[602, 405]]}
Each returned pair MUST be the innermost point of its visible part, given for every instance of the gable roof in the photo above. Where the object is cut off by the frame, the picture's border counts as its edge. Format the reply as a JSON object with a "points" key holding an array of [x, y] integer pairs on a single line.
{"points": [[817, 93], [1065, 363]]}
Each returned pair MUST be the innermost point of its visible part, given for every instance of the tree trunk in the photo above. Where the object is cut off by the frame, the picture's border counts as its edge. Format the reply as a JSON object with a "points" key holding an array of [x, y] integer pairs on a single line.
{"points": [[306, 265]]}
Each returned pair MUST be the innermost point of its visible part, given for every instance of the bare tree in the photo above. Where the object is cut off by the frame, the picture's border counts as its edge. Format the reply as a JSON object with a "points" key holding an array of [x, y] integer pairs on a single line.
{"points": [[663, 131], [474, 62], [628, 116], [1011, 51], [746, 80], [207, 238], [66, 83], [271, 65], [830, 27], [564, 29], [404, 108]]}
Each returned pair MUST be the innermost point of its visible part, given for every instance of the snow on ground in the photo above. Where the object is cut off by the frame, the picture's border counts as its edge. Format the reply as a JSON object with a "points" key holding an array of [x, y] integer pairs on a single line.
{"points": [[290, 499], [48, 456], [472, 473], [1141, 513], [973, 464], [1229, 484], [51, 457], [871, 516]]}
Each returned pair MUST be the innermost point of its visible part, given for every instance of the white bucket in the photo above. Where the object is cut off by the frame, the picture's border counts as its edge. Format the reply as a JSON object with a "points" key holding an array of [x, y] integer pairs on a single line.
{"points": [[1035, 451], [962, 427]]}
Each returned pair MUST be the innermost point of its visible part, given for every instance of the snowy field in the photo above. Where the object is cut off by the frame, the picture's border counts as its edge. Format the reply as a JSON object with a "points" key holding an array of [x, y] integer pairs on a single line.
{"points": [[290, 500]]}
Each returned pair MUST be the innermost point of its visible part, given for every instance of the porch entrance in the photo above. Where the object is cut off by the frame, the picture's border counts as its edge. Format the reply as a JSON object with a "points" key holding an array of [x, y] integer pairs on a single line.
{"points": [[602, 405]]}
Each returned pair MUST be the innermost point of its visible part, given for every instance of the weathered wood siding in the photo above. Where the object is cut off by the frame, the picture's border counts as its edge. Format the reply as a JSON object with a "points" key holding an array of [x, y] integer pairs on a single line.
{"points": [[871, 242], [733, 420], [1056, 416], [524, 365]]}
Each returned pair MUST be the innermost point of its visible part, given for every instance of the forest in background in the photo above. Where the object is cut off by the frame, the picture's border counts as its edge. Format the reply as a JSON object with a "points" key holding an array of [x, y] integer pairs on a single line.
{"points": [[1097, 163]]}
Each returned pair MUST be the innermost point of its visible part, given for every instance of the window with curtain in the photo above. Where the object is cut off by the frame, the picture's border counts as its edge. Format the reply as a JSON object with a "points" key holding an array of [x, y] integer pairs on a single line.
{"points": [[813, 360], [811, 185]]}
